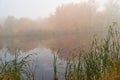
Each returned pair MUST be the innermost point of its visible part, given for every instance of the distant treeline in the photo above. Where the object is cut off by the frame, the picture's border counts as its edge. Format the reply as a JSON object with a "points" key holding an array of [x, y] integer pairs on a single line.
{"points": [[74, 17]]}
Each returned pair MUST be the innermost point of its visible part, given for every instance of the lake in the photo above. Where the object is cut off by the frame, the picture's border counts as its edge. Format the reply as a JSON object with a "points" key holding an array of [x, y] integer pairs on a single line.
{"points": [[43, 50]]}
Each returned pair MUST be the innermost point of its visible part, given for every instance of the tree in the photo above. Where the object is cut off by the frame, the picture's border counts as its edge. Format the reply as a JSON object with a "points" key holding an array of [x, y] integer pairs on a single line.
{"points": [[73, 16], [0, 28], [10, 23]]}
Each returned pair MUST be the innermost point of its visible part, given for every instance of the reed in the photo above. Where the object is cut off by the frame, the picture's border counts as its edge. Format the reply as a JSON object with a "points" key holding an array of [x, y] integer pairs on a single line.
{"points": [[55, 66], [101, 62], [14, 69]]}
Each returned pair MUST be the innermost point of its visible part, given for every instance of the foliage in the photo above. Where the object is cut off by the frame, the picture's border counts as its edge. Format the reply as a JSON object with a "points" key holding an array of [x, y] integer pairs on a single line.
{"points": [[101, 62], [15, 68]]}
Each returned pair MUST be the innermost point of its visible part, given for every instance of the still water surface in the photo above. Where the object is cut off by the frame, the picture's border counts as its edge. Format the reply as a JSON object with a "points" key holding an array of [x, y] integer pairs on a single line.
{"points": [[43, 50], [41, 61]]}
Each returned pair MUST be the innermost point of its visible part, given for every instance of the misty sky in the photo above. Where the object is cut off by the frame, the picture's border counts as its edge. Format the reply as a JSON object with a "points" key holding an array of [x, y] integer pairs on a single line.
{"points": [[32, 8]]}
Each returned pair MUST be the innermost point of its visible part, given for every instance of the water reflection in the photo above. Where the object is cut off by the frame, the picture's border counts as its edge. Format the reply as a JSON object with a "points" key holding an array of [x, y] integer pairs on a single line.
{"points": [[68, 43], [41, 61], [42, 50]]}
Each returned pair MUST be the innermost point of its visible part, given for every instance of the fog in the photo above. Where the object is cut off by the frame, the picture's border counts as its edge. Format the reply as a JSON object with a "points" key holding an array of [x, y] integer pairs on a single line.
{"points": [[83, 18], [59, 39], [31, 8]]}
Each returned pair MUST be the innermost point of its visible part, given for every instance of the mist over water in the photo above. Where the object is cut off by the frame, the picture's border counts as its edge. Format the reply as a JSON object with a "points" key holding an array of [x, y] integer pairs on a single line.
{"points": [[41, 60], [70, 28]]}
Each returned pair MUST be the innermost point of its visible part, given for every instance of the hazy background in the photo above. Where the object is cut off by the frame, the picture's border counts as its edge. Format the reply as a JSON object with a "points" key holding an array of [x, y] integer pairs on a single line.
{"points": [[34, 8], [55, 23]]}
